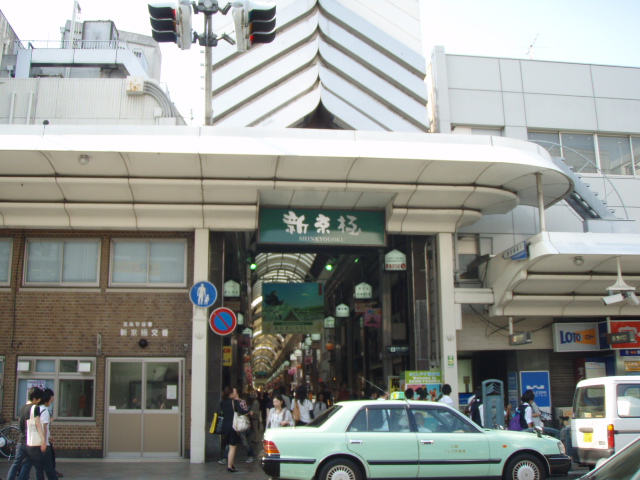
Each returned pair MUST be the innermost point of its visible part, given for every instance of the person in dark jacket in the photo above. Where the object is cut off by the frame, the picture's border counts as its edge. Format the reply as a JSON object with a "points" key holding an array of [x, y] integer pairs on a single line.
{"points": [[228, 405]]}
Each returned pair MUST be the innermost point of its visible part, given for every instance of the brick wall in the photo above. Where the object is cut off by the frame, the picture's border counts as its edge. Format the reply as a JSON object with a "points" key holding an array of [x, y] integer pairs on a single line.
{"points": [[66, 322]]}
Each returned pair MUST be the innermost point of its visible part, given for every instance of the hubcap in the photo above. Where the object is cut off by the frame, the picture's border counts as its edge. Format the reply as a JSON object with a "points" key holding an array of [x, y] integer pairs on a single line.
{"points": [[340, 472], [526, 471]]}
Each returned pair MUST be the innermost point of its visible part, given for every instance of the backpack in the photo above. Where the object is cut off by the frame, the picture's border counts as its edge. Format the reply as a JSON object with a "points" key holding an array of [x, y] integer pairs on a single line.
{"points": [[518, 421]]}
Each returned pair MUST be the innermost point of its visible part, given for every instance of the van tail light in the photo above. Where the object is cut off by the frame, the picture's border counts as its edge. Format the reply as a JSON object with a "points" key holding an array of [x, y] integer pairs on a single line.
{"points": [[270, 448], [611, 440]]}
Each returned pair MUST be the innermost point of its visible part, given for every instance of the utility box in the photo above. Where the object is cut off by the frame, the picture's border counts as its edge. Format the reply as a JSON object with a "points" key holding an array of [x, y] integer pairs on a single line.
{"points": [[493, 404]]}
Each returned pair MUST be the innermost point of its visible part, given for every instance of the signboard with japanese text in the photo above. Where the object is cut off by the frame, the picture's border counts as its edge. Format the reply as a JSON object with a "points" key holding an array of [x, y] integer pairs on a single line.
{"points": [[227, 356], [621, 326], [292, 308], [301, 226]]}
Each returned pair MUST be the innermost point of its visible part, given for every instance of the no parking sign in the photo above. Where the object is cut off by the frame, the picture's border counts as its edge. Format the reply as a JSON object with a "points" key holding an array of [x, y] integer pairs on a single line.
{"points": [[223, 321]]}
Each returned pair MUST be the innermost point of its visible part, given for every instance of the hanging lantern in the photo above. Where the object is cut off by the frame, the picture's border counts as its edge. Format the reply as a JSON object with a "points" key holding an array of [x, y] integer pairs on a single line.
{"points": [[297, 352], [329, 346], [307, 341], [240, 318], [329, 322], [286, 363], [292, 357], [342, 311], [315, 337]]}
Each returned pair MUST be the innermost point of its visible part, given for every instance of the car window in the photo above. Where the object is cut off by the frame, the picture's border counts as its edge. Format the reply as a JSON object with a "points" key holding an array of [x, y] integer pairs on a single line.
{"points": [[324, 416], [589, 402], [628, 400], [381, 419], [624, 466], [440, 420]]}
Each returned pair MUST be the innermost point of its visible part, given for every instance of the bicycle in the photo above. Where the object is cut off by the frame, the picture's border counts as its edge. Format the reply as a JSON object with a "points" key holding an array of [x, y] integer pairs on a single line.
{"points": [[9, 438]]}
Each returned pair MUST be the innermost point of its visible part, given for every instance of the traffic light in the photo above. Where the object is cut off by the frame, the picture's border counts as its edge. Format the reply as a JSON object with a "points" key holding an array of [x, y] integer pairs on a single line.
{"points": [[255, 22], [171, 22]]}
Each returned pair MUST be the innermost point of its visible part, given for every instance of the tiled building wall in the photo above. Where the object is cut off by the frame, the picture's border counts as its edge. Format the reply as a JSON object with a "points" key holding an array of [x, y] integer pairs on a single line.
{"points": [[62, 321]]}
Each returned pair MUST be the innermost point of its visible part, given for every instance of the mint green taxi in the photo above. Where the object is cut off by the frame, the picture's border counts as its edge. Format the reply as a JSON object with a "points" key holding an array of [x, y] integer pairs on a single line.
{"points": [[365, 439]]}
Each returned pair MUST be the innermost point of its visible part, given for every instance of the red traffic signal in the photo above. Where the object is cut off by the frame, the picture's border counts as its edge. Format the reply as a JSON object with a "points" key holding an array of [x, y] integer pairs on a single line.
{"points": [[163, 20], [255, 22]]}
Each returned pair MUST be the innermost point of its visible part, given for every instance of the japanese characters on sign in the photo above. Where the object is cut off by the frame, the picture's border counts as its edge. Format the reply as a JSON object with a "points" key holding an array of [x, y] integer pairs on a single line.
{"points": [[142, 329], [322, 227]]}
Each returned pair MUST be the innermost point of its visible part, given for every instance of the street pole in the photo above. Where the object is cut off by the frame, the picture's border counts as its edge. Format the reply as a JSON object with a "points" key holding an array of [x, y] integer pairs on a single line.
{"points": [[208, 73]]}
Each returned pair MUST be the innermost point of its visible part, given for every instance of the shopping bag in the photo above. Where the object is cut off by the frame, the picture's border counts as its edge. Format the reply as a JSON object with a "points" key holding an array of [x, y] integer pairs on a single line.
{"points": [[216, 424], [33, 436]]}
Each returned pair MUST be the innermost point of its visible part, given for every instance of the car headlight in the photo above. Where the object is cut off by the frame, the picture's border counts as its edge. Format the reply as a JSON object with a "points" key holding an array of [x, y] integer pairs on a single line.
{"points": [[561, 448]]}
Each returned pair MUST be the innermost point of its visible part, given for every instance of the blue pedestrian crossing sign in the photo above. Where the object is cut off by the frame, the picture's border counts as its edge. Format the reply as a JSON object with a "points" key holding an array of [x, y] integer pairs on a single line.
{"points": [[203, 294]]}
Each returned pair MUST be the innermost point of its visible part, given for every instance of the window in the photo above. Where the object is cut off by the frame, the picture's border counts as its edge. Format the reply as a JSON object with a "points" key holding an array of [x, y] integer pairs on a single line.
{"points": [[374, 419], [589, 402], [579, 152], [149, 263], [467, 248], [629, 400], [72, 380], [66, 262], [6, 247], [548, 141], [635, 142], [615, 155], [441, 420]]}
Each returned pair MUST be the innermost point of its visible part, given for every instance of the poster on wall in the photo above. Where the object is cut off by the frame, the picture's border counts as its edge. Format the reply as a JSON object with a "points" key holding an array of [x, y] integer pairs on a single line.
{"points": [[431, 381], [292, 308]]}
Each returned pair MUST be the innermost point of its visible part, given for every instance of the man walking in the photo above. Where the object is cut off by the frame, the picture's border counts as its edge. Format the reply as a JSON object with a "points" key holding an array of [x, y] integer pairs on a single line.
{"points": [[26, 455]]}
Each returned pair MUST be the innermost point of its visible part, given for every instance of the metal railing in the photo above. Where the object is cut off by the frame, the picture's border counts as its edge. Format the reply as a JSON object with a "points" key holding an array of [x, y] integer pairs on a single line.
{"points": [[72, 44]]}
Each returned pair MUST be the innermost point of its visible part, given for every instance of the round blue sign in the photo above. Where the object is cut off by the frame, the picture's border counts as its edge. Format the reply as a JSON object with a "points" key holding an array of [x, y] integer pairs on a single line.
{"points": [[203, 294]]}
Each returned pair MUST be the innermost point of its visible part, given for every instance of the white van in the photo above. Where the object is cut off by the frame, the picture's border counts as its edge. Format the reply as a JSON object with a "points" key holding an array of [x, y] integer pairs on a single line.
{"points": [[606, 417]]}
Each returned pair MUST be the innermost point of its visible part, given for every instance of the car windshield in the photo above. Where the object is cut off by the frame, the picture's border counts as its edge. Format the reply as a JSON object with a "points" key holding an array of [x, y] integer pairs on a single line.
{"points": [[624, 466], [324, 416]]}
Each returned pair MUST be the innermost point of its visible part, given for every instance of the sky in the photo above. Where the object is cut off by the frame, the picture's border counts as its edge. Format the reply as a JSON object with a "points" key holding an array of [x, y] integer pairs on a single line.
{"points": [[583, 31]]}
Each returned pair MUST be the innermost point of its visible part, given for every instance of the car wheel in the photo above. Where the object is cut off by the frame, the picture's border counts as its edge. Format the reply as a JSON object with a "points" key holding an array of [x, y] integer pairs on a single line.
{"points": [[524, 467], [340, 469]]}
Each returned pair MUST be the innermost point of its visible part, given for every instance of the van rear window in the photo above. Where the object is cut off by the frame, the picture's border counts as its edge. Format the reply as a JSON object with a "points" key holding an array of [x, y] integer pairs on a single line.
{"points": [[628, 400], [589, 402]]}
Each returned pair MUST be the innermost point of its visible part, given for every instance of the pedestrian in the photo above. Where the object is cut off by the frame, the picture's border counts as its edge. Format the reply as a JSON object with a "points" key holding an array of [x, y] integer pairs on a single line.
{"points": [[328, 398], [303, 406], [446, 392], [228, 405], [408, 394], [48, 458], [285, 397], [279, 416], [476, 409], [244, 438], [527, 397], [320, 405], [27, 456], [255, 416], [265, 405]]}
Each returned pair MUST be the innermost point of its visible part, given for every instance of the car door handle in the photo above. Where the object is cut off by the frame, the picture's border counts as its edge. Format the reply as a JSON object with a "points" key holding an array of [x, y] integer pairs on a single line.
{"points": [[359, 442], [426, 442], [586, 430]]}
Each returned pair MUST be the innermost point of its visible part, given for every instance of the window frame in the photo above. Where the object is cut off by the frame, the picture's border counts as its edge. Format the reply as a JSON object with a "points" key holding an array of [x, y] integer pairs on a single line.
{"points": [[148, 284], [10, 263], [61, 283], [621, 388], [56, 376]]}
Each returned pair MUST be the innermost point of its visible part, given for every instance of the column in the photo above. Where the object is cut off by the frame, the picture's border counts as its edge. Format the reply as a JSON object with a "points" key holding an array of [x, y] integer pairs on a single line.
{"points": [[199, 351], [447, 313]]}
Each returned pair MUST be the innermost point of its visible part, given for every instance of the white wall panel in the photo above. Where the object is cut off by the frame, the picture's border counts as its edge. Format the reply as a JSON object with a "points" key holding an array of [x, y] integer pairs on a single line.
{"points": [[616, 82], [473, 73], [514, 112], [560, 112], [616, 115], [556, 78], [510, 75], [476, 107]]}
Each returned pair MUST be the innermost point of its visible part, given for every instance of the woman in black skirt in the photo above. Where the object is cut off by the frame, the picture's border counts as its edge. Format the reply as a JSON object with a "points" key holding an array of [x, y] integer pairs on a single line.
{"points": [[228, 404]]}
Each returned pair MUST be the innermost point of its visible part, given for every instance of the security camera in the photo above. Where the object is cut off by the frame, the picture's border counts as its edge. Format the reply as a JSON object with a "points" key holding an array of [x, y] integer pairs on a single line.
{"points": [[631, 298], [612, 298]]}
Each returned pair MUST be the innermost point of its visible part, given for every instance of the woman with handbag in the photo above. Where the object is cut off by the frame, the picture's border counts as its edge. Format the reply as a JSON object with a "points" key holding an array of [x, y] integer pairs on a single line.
{"points": [[228, 406], [302, 407]]}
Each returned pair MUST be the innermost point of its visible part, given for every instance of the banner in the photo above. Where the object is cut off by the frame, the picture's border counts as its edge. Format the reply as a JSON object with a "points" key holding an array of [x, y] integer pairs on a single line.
{"points": [[292, 308]]}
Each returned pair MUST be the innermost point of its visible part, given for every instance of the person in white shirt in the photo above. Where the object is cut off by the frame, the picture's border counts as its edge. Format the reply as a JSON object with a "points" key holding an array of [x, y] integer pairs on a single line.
{"points": [[446, 391], [320, 405], [45, 419], [303, 405]]}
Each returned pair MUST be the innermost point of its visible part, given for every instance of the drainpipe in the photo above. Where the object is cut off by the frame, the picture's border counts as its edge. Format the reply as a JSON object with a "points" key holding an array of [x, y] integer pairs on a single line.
{"points": [[12, 107], [543, 223]]}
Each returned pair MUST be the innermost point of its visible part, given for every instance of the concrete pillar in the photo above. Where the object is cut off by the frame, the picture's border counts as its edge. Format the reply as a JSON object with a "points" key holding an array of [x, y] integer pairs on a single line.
{"points": [[447, 313], [199, 351]]}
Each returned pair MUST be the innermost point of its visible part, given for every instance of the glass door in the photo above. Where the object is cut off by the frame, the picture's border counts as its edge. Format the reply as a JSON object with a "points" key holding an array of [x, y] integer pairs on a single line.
{"points": [[145, 410]]}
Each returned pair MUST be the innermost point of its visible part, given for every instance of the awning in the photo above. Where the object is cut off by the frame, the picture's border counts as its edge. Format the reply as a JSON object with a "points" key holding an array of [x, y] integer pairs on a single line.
{"points": [[565, 274]]}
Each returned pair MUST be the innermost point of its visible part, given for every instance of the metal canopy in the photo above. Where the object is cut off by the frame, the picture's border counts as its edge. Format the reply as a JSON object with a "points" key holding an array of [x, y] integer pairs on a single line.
{"points": [[566, 274], [140, 177]]}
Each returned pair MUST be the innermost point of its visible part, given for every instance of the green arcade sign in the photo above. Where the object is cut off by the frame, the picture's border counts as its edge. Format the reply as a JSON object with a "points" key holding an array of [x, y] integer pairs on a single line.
{"points": [[303, 226]]}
